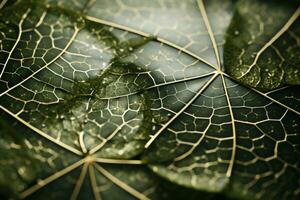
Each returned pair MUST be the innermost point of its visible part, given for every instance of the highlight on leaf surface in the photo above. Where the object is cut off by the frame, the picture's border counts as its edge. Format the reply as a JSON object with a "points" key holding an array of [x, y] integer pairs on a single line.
{"points": [[162, 99]]}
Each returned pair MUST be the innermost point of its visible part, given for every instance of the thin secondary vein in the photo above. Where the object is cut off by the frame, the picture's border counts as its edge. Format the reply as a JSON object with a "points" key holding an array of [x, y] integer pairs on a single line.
{"points": [[266, 96], [191, 150], [98, 147], [17, 41], [182, 110], [276, 101], [43, 67]]}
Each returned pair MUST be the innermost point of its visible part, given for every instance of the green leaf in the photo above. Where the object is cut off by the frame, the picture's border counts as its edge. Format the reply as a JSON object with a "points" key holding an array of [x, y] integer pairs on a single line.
{"points": [[25, 157], [262, 44], [130, 99]]}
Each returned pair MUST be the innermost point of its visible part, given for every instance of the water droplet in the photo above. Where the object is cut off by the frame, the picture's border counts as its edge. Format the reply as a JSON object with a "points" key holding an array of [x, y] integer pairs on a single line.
{"points": [[121, 151], [105, 80], [25, 173], [21, 170]]}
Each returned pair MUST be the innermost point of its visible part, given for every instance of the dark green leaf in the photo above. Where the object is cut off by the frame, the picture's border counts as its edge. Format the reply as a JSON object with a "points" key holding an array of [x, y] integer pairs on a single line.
{"points": [[130, 99], [262, 44]]}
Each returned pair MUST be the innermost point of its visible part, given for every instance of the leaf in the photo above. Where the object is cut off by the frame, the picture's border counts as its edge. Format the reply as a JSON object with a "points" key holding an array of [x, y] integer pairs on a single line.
{"points": [[94, 93], [262, 49], [26, 157]]}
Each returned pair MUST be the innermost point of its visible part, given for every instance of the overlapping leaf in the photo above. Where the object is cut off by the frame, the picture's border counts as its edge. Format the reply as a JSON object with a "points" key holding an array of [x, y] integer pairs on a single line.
{"points": [[262, 49]]}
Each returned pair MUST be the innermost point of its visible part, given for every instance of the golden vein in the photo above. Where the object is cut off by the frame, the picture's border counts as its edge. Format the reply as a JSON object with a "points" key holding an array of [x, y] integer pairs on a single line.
{"points": [[117, 161], [210, 32], [81, 142], [80, 181], [94, 182], [230, 167], [2, 4], [278, 89], [121, 184], [50, 179]]}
